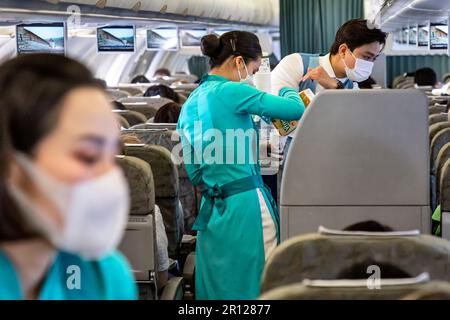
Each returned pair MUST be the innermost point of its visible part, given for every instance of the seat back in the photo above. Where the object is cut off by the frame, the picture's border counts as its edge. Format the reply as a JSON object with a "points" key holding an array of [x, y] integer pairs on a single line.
{"points": [[317, 256], [132, 117], [116, 94], [435, 128], [171, 141], [439, 140], [436, 118], [437, 109], [358, 156], [142, 108], [166, 189], [306, 291], [152, 125], [122, 121], [139, 241]]}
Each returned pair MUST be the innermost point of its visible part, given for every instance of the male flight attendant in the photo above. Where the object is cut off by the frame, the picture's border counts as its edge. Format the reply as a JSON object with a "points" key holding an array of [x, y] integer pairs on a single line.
{"points": [[350, 60]]}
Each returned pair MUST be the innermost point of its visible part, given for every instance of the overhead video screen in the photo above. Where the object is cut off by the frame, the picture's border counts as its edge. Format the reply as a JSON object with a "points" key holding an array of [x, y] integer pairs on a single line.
{"points": [[41, 38], [405, 35], [163, 38], [424, 36], [192, 37], [413, 36], [438, 36], [116, 39]]}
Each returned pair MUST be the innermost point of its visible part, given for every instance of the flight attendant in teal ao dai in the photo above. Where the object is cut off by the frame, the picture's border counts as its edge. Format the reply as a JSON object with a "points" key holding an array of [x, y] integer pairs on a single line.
{"points": [[238, 223]]}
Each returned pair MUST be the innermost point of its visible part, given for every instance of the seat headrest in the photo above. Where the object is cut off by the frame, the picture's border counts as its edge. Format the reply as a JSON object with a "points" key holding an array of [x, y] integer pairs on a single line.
{"points": [[439, 140], [142, 189], [435, 118], [301, 291], [316, 256], [164, 170]]}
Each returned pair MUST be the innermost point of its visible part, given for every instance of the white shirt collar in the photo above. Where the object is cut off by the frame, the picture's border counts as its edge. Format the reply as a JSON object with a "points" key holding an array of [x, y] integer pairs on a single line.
{"points": [[326, 64]]}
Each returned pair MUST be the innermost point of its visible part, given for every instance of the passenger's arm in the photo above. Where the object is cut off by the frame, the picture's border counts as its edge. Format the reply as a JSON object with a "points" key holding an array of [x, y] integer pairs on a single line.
{"points": [[246, 99]]}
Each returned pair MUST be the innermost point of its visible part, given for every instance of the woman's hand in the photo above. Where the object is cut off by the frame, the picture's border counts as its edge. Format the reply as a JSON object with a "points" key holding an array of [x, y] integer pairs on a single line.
{"points": [[321, 76]]}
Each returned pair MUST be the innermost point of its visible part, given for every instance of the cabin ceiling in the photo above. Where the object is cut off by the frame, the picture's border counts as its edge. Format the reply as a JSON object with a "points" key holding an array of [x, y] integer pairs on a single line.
{"points": [[400, 13]]}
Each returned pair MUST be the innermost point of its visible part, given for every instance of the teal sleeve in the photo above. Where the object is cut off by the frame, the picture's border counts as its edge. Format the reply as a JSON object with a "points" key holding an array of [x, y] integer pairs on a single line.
{"points": [[118, 278], [246, 99]]}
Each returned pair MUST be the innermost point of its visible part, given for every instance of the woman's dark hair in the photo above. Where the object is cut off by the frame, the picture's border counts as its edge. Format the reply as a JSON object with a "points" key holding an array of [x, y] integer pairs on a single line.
{"points": [[32, 88], [233, 43], [356, 33], [359, 271], [140, 79], [162, 91], [162, 72], [369, 226], [425, 77], [169, 113], [119, 105]]}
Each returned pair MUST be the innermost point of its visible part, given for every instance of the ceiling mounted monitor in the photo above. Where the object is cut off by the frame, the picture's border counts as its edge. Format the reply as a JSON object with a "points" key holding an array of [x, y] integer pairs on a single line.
{"points": [[438, 36], [41, 38], [116, 39], [192, 37], [424, 35], [163, 38], [413, 35]]}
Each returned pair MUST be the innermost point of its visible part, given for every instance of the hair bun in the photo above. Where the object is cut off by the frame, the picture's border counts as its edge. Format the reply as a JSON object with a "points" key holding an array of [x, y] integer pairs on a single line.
{"points": [[210, 45]]}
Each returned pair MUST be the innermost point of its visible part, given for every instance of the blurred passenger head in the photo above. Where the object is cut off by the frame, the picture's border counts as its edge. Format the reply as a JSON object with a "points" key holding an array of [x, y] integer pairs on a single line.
{"points": [[425, 77], [61, 139], [162, 91], [369, 226], [140, 79], [162, 73], [169, 113], [359, 271], [236, 53]]}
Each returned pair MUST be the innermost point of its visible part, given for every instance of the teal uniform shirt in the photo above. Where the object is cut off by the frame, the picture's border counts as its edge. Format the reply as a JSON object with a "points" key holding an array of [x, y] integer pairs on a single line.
{"points": [[230, 254], [72, 278]]}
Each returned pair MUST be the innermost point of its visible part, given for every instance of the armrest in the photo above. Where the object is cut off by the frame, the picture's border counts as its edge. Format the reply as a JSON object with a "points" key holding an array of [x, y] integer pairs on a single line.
{"points": [[189, 267], [173, 289]]}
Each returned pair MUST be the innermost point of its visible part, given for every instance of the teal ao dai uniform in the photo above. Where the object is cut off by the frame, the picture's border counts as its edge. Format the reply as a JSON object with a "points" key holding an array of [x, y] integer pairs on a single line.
{"points": [[231, 244]]}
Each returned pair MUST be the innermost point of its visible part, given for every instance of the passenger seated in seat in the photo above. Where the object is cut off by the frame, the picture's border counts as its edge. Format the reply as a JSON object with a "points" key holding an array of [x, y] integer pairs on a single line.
{"points": [[426, 77], [369, 226], [64, 201], [162, 73], [140, 79], [162, 91], [169, 113], [359, 271]]}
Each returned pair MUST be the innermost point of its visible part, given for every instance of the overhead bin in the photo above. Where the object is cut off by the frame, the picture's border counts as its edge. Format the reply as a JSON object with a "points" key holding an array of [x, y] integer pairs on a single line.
{"points": [[399, 13], [259, 12]]}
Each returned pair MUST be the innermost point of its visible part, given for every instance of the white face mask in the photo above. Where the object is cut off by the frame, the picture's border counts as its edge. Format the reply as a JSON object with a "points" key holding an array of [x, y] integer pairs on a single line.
{"points": [[248, 79], [94, 212], [361, 72]]}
